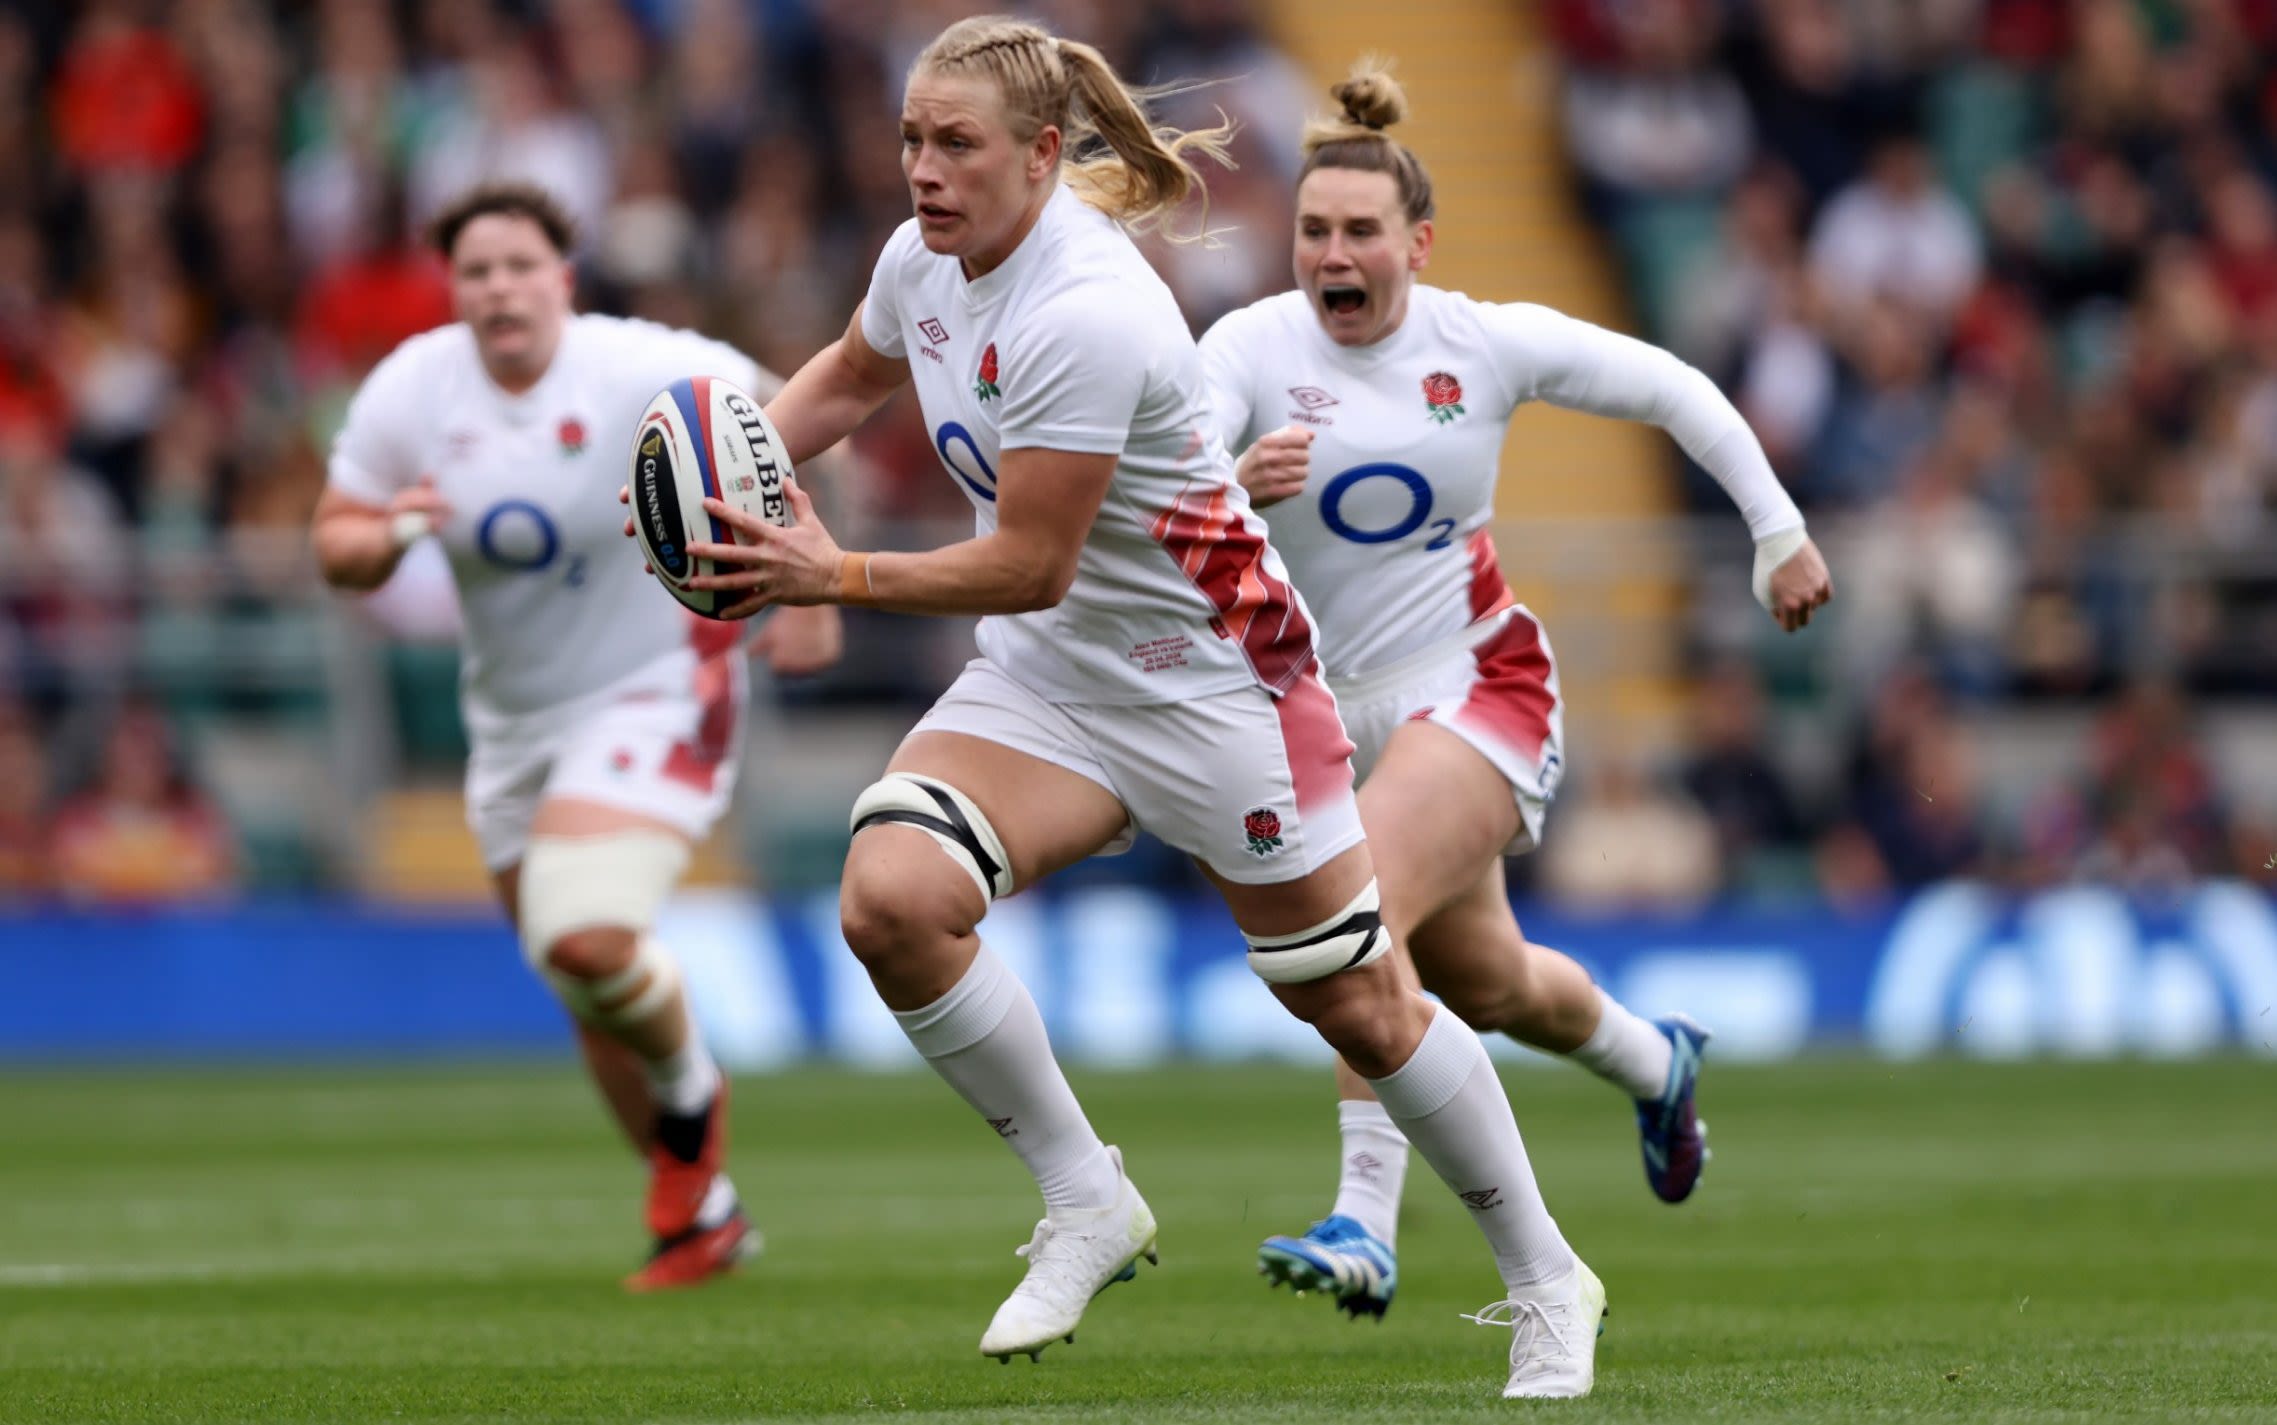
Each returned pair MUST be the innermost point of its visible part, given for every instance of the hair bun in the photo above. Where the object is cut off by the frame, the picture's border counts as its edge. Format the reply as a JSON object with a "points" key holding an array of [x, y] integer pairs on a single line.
{"points": [[1371, 97]]}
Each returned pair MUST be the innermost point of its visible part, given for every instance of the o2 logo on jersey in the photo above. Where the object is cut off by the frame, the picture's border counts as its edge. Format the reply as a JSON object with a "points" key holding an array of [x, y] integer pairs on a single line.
{"points": [[982, 484], [521, 536], [1333, 495]]}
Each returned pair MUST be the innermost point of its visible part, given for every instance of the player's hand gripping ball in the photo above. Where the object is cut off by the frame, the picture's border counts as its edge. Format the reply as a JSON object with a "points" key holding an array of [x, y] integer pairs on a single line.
{"points": [[702, 437]]}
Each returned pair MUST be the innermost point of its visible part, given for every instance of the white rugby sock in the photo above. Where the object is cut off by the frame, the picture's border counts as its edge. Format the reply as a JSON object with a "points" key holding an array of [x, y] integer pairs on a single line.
{"points": [[1375, 1168], [1449, 1102], [1627, 1051], [987, 1039], [719, 1203], [684, 1082]]}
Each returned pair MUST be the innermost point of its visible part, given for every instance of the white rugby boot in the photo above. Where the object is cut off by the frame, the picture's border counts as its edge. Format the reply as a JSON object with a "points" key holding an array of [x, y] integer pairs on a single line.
{"points": [[1072, 1258], [1555, 1326]]}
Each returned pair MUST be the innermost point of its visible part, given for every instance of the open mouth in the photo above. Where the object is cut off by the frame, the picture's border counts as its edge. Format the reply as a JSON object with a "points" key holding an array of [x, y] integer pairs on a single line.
{"points": [[934, 213], [1343, 301]]}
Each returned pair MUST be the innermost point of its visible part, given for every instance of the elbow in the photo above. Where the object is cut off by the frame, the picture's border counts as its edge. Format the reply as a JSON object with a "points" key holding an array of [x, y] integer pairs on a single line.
{"points": [[1042, 585], [340, 569]]}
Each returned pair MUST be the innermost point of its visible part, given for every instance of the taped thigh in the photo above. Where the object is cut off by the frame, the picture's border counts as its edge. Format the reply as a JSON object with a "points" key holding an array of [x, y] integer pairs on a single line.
{"points": [[616, 879], [1354, 937], [954, 821]]}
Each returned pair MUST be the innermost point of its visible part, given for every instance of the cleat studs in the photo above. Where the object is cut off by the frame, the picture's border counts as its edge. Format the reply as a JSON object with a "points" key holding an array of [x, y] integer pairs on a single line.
{"points": [[1070, 1338], [1036, 1356]]}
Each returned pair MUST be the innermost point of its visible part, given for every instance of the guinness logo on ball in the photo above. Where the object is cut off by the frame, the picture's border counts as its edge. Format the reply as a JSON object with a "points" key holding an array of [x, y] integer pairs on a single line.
{"points": [[657, 495]]}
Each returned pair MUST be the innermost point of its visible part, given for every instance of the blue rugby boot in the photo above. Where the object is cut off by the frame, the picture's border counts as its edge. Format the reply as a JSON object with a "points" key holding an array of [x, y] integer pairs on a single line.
{"points": [[1337, 1256], [1674, 1139]]}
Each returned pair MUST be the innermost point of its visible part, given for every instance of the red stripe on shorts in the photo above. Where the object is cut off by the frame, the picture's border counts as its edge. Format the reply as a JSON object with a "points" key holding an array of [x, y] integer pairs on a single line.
{"points": [[1512, 700], [1490, 592], [696, 763], [1313, 736], [1222, 552]]}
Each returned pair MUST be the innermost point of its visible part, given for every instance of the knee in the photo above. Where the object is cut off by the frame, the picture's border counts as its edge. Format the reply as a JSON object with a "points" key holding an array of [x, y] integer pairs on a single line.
{"points": [[891, 914], [1374, 1033], [593, 953]]}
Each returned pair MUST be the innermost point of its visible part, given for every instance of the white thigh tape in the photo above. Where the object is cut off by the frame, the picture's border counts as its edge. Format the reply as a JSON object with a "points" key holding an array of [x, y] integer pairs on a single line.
{"points": [[1355, 937], [948, 816], [615, 879]]}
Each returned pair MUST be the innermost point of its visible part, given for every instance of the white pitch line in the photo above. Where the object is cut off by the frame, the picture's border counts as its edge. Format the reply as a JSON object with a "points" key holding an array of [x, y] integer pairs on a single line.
{"points": [[96, 1273], [392, 1263]]}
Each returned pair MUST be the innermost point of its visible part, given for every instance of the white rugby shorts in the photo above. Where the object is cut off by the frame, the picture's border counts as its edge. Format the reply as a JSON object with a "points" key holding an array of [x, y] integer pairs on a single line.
{"points": [[1496, 687], [1257, 787], [666, 748]]}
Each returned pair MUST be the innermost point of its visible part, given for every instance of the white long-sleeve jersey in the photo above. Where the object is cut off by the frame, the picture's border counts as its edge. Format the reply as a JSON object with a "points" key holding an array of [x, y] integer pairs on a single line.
{"points": [[1389, 540]]}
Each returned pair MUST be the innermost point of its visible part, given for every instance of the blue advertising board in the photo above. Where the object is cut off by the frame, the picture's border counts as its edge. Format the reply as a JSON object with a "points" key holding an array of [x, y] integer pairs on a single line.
{"points": [[1127, 976]]}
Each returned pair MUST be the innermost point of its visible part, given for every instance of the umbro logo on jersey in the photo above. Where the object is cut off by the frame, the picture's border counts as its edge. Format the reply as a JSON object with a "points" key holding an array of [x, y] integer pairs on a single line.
{"points": [[1311, 399], [1004, 1128], [933, 332], [1481, 1199]]}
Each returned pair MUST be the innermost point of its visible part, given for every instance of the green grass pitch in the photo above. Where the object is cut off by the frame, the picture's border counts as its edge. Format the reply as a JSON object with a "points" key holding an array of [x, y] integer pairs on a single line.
{"points": [[1947, 1241]]}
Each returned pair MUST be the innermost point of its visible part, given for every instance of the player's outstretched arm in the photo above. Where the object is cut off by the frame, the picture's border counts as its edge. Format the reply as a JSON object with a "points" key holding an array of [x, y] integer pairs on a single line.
{"points": [[358, 545], [1582, 367], [833, 393], [1045, 503]]}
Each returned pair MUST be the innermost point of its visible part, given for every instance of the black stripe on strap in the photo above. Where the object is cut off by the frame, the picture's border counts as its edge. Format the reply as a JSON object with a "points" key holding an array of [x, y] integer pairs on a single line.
{"points": [[1367, 923], [950, 823]]}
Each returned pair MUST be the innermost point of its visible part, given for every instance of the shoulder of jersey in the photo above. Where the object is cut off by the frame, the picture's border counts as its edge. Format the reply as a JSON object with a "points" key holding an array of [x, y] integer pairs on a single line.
{"points": [[1457, 316], [648, 354], [1266, 320], [1473, 309], [639, 329], [1439, 301], [1291, 308], [904, 241], [439, 354], [1091, 245]]}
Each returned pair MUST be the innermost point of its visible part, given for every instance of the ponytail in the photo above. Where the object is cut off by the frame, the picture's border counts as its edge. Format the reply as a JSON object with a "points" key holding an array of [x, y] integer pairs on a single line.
{"points": [[1144, 171]]}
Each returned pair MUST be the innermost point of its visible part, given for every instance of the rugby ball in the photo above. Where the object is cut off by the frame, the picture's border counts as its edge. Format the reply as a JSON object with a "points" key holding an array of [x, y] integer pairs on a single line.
{"points": [[699, 437]]}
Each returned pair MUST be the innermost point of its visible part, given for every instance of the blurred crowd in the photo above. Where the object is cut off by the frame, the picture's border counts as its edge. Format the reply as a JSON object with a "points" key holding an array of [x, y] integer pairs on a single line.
{"points": [[1999, 274], [1997, 281]]}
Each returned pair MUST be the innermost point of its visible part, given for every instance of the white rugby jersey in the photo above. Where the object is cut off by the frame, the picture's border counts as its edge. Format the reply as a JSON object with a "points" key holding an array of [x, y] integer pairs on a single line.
{"points": [[1074, 344], [556, 605], [1389, 539]]}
